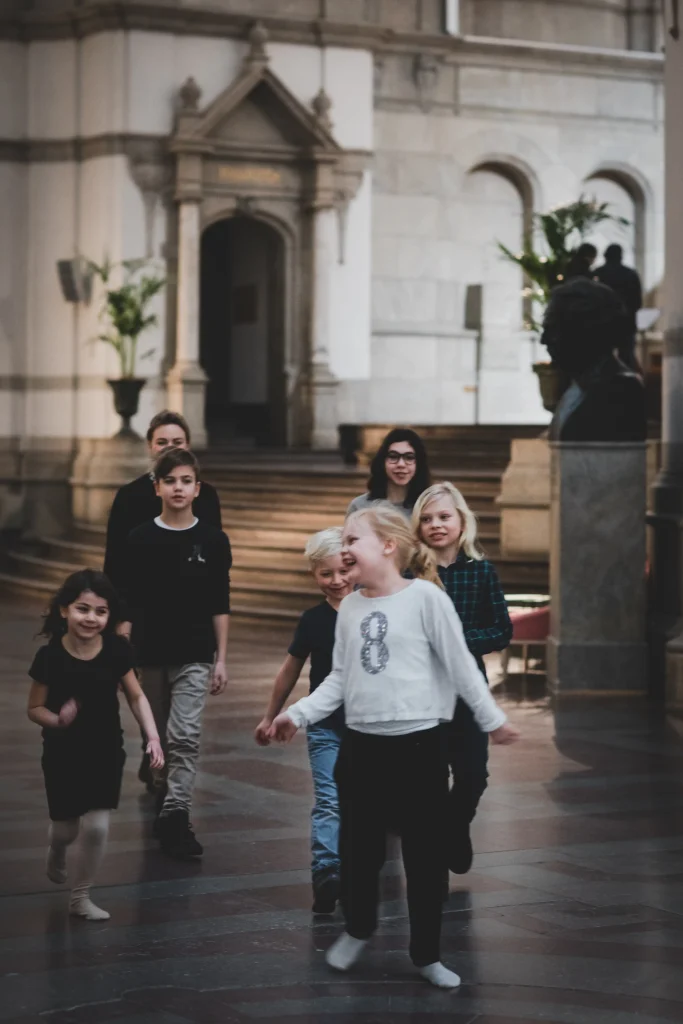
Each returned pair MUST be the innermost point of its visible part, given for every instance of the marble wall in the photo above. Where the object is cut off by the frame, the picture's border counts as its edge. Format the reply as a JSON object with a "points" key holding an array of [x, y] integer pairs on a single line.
{"points": [[466, 144], [493, 143]]}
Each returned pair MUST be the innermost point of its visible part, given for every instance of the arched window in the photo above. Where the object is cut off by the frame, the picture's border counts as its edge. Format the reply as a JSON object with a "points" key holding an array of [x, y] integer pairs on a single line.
{"points": [[626, 198], [498, 197]]}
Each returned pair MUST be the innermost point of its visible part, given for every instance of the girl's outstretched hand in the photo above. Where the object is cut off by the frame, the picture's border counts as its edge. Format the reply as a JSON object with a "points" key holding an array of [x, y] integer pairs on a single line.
{"points": [[283, 729], [262, 732], [67, 713], [505, 734], [156, 754]]}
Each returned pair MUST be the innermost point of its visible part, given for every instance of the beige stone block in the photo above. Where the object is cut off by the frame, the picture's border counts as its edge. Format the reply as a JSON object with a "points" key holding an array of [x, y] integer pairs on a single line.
{"points": [[525, 499], [404, 302], [101, 466], [404, 357]]}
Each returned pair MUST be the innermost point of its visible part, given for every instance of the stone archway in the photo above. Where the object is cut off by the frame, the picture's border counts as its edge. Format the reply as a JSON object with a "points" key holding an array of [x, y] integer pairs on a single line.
{"points": [[258, 153]]}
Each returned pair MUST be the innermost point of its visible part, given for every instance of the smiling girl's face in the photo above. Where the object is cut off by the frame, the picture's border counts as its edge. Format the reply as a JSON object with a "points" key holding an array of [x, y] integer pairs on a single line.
{"points": [[87, 616], [364, 552], [440, 524], [401, 463]]}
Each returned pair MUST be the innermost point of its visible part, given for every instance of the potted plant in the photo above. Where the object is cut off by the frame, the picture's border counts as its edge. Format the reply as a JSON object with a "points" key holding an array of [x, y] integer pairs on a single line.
{"points": [[561, 231], [125, 312]]}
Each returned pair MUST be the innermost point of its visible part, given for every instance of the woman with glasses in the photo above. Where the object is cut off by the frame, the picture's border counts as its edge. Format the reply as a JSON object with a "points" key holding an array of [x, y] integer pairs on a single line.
{"points": [[399, 473]]}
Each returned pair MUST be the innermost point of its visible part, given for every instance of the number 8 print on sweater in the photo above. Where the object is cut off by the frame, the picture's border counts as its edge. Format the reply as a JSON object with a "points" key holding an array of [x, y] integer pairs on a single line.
{"points": [[374, 653]]}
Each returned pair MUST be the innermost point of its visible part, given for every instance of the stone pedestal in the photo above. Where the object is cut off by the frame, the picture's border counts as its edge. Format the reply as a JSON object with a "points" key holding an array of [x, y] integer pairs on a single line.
{"points": [[597, 569], [101, 466], [525, 500]]}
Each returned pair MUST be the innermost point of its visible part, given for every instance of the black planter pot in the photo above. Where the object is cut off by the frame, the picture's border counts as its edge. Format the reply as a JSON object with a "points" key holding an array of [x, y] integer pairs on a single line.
{"points": [[126, 401]]}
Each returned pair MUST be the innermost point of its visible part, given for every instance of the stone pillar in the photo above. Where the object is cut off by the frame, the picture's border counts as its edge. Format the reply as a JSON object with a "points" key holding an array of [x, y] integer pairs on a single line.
{"points": [[667, 494], [597, 569], [324, 384], [186, 380]]}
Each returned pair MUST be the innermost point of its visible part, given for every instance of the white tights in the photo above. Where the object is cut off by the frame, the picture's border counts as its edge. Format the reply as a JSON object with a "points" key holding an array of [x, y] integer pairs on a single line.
{"points": [[93, 828]]}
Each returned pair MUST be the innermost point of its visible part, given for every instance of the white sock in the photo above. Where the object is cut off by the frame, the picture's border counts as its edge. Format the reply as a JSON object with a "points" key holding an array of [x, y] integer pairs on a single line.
{"points": [[94, 828], [437, 974], [80, 905], [60, 835], [345, 951], [55, 868]]}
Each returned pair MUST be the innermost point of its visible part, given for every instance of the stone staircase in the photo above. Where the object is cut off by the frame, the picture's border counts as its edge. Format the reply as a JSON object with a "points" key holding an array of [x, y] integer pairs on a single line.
{"points": [[270, 504]]}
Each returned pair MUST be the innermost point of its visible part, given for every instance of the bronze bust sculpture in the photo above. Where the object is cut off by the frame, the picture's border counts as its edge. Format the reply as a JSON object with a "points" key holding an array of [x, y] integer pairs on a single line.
{"points": [[584, 324]]}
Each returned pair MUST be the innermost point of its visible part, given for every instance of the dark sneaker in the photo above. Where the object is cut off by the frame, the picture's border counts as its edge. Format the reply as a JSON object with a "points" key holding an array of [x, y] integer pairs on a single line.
{"points": [[460, 853], [176, 836], [326, 894], [446, 887]]}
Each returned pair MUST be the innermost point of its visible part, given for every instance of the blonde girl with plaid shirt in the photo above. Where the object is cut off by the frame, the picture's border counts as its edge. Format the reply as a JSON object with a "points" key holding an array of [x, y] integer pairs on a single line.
{"points": [[450, 556]]}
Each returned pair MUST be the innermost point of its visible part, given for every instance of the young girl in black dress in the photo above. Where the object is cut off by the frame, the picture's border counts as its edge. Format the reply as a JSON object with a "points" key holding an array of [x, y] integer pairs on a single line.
{"points": [[74, 697]]}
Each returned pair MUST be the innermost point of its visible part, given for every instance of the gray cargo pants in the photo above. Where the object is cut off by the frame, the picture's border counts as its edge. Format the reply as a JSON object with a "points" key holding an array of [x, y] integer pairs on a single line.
{"points": [[177, 695]]}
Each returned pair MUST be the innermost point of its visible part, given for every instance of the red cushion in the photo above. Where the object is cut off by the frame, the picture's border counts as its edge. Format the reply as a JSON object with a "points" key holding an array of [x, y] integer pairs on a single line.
{"points": [[529, 624]]}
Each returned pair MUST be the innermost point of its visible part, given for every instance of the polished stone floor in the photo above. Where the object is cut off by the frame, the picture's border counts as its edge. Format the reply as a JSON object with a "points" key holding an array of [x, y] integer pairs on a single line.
{"points": [[573, 913]]}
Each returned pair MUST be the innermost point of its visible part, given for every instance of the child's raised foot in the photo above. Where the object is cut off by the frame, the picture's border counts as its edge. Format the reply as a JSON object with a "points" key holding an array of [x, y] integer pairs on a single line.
{"points": [[85, 908], [440, 976], [344, 952], [56, 865]]}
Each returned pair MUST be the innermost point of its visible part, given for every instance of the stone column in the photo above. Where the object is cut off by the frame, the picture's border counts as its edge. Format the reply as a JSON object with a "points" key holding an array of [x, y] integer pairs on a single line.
{"points": [[323, 382], [186, 380], [597, 569], [667, 493]]}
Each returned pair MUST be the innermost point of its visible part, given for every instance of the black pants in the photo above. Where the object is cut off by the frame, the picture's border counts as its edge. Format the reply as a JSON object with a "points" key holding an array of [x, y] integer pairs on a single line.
{"points": [[388, 782], [468, 754]]}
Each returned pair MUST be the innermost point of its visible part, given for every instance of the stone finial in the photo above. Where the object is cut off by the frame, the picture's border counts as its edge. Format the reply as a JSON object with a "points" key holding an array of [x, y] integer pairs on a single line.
{"points": [[189, 95], [322, 104], [258, 37]]}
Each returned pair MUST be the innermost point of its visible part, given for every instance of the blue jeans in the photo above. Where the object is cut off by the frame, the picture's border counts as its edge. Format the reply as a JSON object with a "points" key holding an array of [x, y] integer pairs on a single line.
{"points": [[323, 748]]}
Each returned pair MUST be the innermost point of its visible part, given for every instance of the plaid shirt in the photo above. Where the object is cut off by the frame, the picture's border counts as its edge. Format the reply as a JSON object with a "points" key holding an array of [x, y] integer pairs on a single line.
{"points": [[475, 590]]}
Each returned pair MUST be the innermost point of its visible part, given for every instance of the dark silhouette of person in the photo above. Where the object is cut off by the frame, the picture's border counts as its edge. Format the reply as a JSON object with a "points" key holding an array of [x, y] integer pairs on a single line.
{"points": [[585, 323], [581, 262], [626, 283]]}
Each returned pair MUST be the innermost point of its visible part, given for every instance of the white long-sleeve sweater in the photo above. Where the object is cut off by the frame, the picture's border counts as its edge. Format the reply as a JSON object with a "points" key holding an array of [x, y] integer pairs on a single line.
{"points": [[401, 658]]}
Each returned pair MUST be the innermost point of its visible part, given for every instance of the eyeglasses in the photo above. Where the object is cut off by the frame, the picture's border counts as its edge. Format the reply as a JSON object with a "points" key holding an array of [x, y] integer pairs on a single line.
{"points": [[395, 457]]}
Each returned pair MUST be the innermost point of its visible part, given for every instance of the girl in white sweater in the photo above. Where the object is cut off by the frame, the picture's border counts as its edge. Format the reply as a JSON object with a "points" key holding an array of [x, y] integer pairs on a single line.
{"points": [[400, 662]]}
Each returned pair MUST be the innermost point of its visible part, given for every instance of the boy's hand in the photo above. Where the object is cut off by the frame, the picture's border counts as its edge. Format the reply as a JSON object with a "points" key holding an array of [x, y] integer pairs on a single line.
{"points": [[283, 729], [219, 678], [156, 754], [261, 732], [505, 734], [67, 713]]}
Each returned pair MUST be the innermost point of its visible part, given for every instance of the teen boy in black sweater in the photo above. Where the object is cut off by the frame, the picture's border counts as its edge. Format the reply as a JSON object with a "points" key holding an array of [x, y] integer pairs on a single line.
{"points": [[137, 502], [177, 588]]}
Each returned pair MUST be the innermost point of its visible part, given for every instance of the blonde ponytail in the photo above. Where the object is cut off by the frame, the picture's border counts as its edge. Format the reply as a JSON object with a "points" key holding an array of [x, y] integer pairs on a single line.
{"points": [[424, 565]]}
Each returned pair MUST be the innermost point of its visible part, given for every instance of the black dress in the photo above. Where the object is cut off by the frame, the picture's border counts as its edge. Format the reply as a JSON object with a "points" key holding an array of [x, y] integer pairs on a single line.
{"points": [[83, 763]]}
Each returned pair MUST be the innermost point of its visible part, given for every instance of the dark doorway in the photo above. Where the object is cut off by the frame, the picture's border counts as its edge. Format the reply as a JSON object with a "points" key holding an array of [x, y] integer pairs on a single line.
{"points": [[242, 331]]}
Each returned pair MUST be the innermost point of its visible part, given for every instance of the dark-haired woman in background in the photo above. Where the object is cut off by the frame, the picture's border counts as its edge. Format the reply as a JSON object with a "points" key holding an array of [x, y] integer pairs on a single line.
{"points": [[74, 697], [399, 473]]}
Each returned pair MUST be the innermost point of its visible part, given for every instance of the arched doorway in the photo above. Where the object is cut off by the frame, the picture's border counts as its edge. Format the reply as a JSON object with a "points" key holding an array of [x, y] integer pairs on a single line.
{"points": [[242, 331]]}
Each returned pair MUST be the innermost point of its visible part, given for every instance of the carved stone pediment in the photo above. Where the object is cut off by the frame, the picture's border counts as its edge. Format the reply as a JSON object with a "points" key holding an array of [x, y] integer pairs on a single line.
{"points": [[257, 109], [258, 139]]}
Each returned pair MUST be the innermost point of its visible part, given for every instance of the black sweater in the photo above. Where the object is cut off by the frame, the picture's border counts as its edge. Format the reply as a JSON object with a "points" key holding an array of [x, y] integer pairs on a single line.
{"points": [[174, 582], [137, 503]]}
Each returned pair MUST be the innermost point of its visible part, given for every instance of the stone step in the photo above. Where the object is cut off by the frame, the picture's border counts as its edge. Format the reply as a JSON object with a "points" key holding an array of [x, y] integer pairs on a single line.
{"points": [[316, 501]]}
